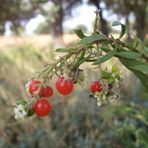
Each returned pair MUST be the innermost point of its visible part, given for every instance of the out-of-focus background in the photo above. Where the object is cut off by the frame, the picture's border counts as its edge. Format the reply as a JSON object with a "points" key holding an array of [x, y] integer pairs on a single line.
{"points": [[30, 31]]}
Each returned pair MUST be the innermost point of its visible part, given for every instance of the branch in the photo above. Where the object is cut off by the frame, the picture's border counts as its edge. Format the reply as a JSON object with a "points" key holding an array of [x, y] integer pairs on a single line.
{"points": [[124, 45], [51, 67]]}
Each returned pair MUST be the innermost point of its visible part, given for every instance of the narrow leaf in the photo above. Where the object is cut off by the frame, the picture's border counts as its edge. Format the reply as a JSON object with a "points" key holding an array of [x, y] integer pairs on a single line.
{"points": [[116, 23], [114, 69], [131, 62], [21, 102], [129, 54], [142, 67], [123, 28], [105, 49], [91, 39], [65, 49], [106, 57], [105, 74], [79, 33]]}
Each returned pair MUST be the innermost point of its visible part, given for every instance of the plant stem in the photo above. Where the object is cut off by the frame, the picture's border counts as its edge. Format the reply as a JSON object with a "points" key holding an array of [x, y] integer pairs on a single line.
{"points": [[95, 29], [124, 45], [50, 67], [96, 22]]}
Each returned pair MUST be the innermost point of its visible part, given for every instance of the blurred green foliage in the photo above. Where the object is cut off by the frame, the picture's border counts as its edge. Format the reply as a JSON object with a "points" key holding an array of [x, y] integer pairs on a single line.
{"points": [[75, 121]]}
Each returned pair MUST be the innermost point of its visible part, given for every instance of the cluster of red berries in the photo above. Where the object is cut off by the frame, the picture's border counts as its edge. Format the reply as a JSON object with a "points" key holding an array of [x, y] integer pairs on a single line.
{"points": [[42, 106], [95, 86]]}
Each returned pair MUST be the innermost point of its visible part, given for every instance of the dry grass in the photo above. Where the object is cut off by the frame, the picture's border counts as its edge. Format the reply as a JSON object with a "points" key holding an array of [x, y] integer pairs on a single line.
{"points": [[39, 41]]}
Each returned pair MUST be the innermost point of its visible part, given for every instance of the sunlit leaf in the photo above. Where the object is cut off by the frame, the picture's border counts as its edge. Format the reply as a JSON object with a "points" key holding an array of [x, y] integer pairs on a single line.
{"points": [[111, 80], [114, 69]]}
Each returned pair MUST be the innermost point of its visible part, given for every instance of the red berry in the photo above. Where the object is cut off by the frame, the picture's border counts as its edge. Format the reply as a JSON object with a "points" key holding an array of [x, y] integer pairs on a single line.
{"points": [[64, 86], [48, 91], [95, 86], [42, 107], [33, 87]]}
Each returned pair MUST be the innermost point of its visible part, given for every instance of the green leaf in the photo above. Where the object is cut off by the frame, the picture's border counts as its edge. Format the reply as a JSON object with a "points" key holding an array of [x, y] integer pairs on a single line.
{"points": [[142, 67], [21, 102], [30, 112], [82, 55], [129, 54], [91, 39], [123, 28], [128, 63], [114, 69], [105, 49], [135, 44], [106, 57], [131, 62], [142, 77], [79, 33], [111, 80], [105, 74], [65, 49]]}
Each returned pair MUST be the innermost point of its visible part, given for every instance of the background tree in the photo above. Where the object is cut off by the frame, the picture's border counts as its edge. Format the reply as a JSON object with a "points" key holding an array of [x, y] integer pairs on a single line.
{"points": [[20, 12], [17, 12], [126, 7], [43, 28], [55, 18], [64, 9]]}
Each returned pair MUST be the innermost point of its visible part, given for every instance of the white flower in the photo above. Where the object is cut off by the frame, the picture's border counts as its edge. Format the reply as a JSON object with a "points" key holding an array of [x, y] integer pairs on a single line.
{"points": [[19, 111], [113, 75], [27, 88], [99, 103]]}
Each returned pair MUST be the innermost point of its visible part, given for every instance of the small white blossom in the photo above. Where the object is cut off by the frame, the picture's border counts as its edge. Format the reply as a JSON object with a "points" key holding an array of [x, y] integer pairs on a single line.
{"points": [[27, 88], [113, 75], [99, 103], [104, 97], [19, 111]]}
